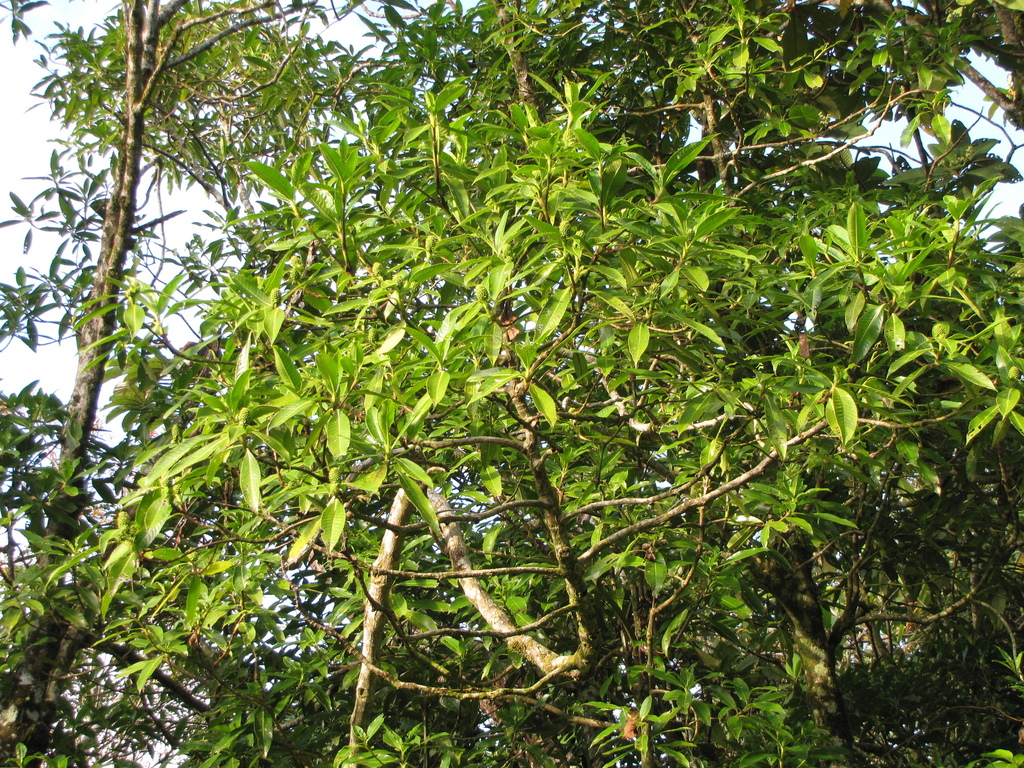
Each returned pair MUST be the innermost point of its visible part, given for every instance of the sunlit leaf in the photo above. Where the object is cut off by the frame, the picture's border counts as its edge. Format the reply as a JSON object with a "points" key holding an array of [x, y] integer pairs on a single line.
{"points": [[637, 342], [841, 411]]}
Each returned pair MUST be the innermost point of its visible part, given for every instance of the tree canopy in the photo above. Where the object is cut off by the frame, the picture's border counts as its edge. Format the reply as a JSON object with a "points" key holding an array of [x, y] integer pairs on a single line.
{"points": [[550, 384]]}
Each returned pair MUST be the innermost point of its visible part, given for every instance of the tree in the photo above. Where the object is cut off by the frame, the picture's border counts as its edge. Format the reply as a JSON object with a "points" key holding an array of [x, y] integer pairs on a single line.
{"points": [[570, 385]]}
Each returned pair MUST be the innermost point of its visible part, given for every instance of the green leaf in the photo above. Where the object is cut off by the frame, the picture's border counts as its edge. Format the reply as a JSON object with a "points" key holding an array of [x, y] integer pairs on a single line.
{"points": [[1018, 421], [589, 143], [982, 420], [777, 427], [196, 589], [941, 129], [427, 343], [273, 178], [655, 573], [869, 325], [545, 404], [339, 430], [637, 341], [841, 413], [250, 478], [1007, 400], [479, 384], [392, 340], [142, 671], [19, 206], [287, 370], [119, 566], [437, 386], [273, 319], [413, 470], [712, 223], [156, 516], [697, 276], [175, 453], [302, 542], [292, 412], [134, 317], [968, 374], [332, 522], [185, 454], [613, 176], [369, 481], [420, 501], [853, 310], [551, 316], [329, 367], [835, 519], [618, 305], [895, 334], [611, 273], [491, 478], [703, 330], [682, 158]]}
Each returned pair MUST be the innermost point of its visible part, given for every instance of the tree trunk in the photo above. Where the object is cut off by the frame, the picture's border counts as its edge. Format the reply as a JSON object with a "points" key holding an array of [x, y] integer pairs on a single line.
{"points": [[795, 590], [31, 703]]}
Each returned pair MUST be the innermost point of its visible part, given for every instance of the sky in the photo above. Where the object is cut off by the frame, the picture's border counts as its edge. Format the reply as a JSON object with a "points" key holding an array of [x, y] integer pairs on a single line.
{"points": [[28, 131]]}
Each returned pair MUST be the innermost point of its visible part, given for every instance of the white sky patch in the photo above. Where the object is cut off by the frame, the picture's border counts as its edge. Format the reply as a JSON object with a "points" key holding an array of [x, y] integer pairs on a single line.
{"points": [[27, 133]]}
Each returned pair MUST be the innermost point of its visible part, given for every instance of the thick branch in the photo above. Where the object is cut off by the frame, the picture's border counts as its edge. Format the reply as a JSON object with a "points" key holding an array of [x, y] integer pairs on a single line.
{"points": [[931, 618], [794, 588], [575, 586], [470, 574], [52, 647], [460, 632], [169, 683], [95, 331], [546, 660], [575, 719], [373, 615], [457, 442], [168, 12], [1010, 38], [838, 150], [989, 89], [520, 68]]}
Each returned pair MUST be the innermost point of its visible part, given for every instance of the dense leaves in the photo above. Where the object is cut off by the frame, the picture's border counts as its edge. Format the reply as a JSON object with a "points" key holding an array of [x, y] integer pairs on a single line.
{"points": [[566, 384]]}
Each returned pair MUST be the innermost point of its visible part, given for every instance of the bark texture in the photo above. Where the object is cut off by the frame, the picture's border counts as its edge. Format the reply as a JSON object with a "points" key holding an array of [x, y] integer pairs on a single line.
{"points": [[497, 618], [794, 588], [378, 591], [32, 701], [520, 66]]}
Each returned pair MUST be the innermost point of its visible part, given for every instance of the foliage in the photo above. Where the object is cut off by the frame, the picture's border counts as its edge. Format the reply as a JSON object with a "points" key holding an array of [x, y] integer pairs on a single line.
{"points": [[569, 385]]}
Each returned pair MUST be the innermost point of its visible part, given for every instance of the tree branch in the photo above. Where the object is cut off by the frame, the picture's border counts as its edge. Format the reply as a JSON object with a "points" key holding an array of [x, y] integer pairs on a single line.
{"points": [[699, 501], [210, 42], [546, 660], [468, 574], [170, 684], [373, 617], [520, 68], [989, 89], [561, 543]]}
